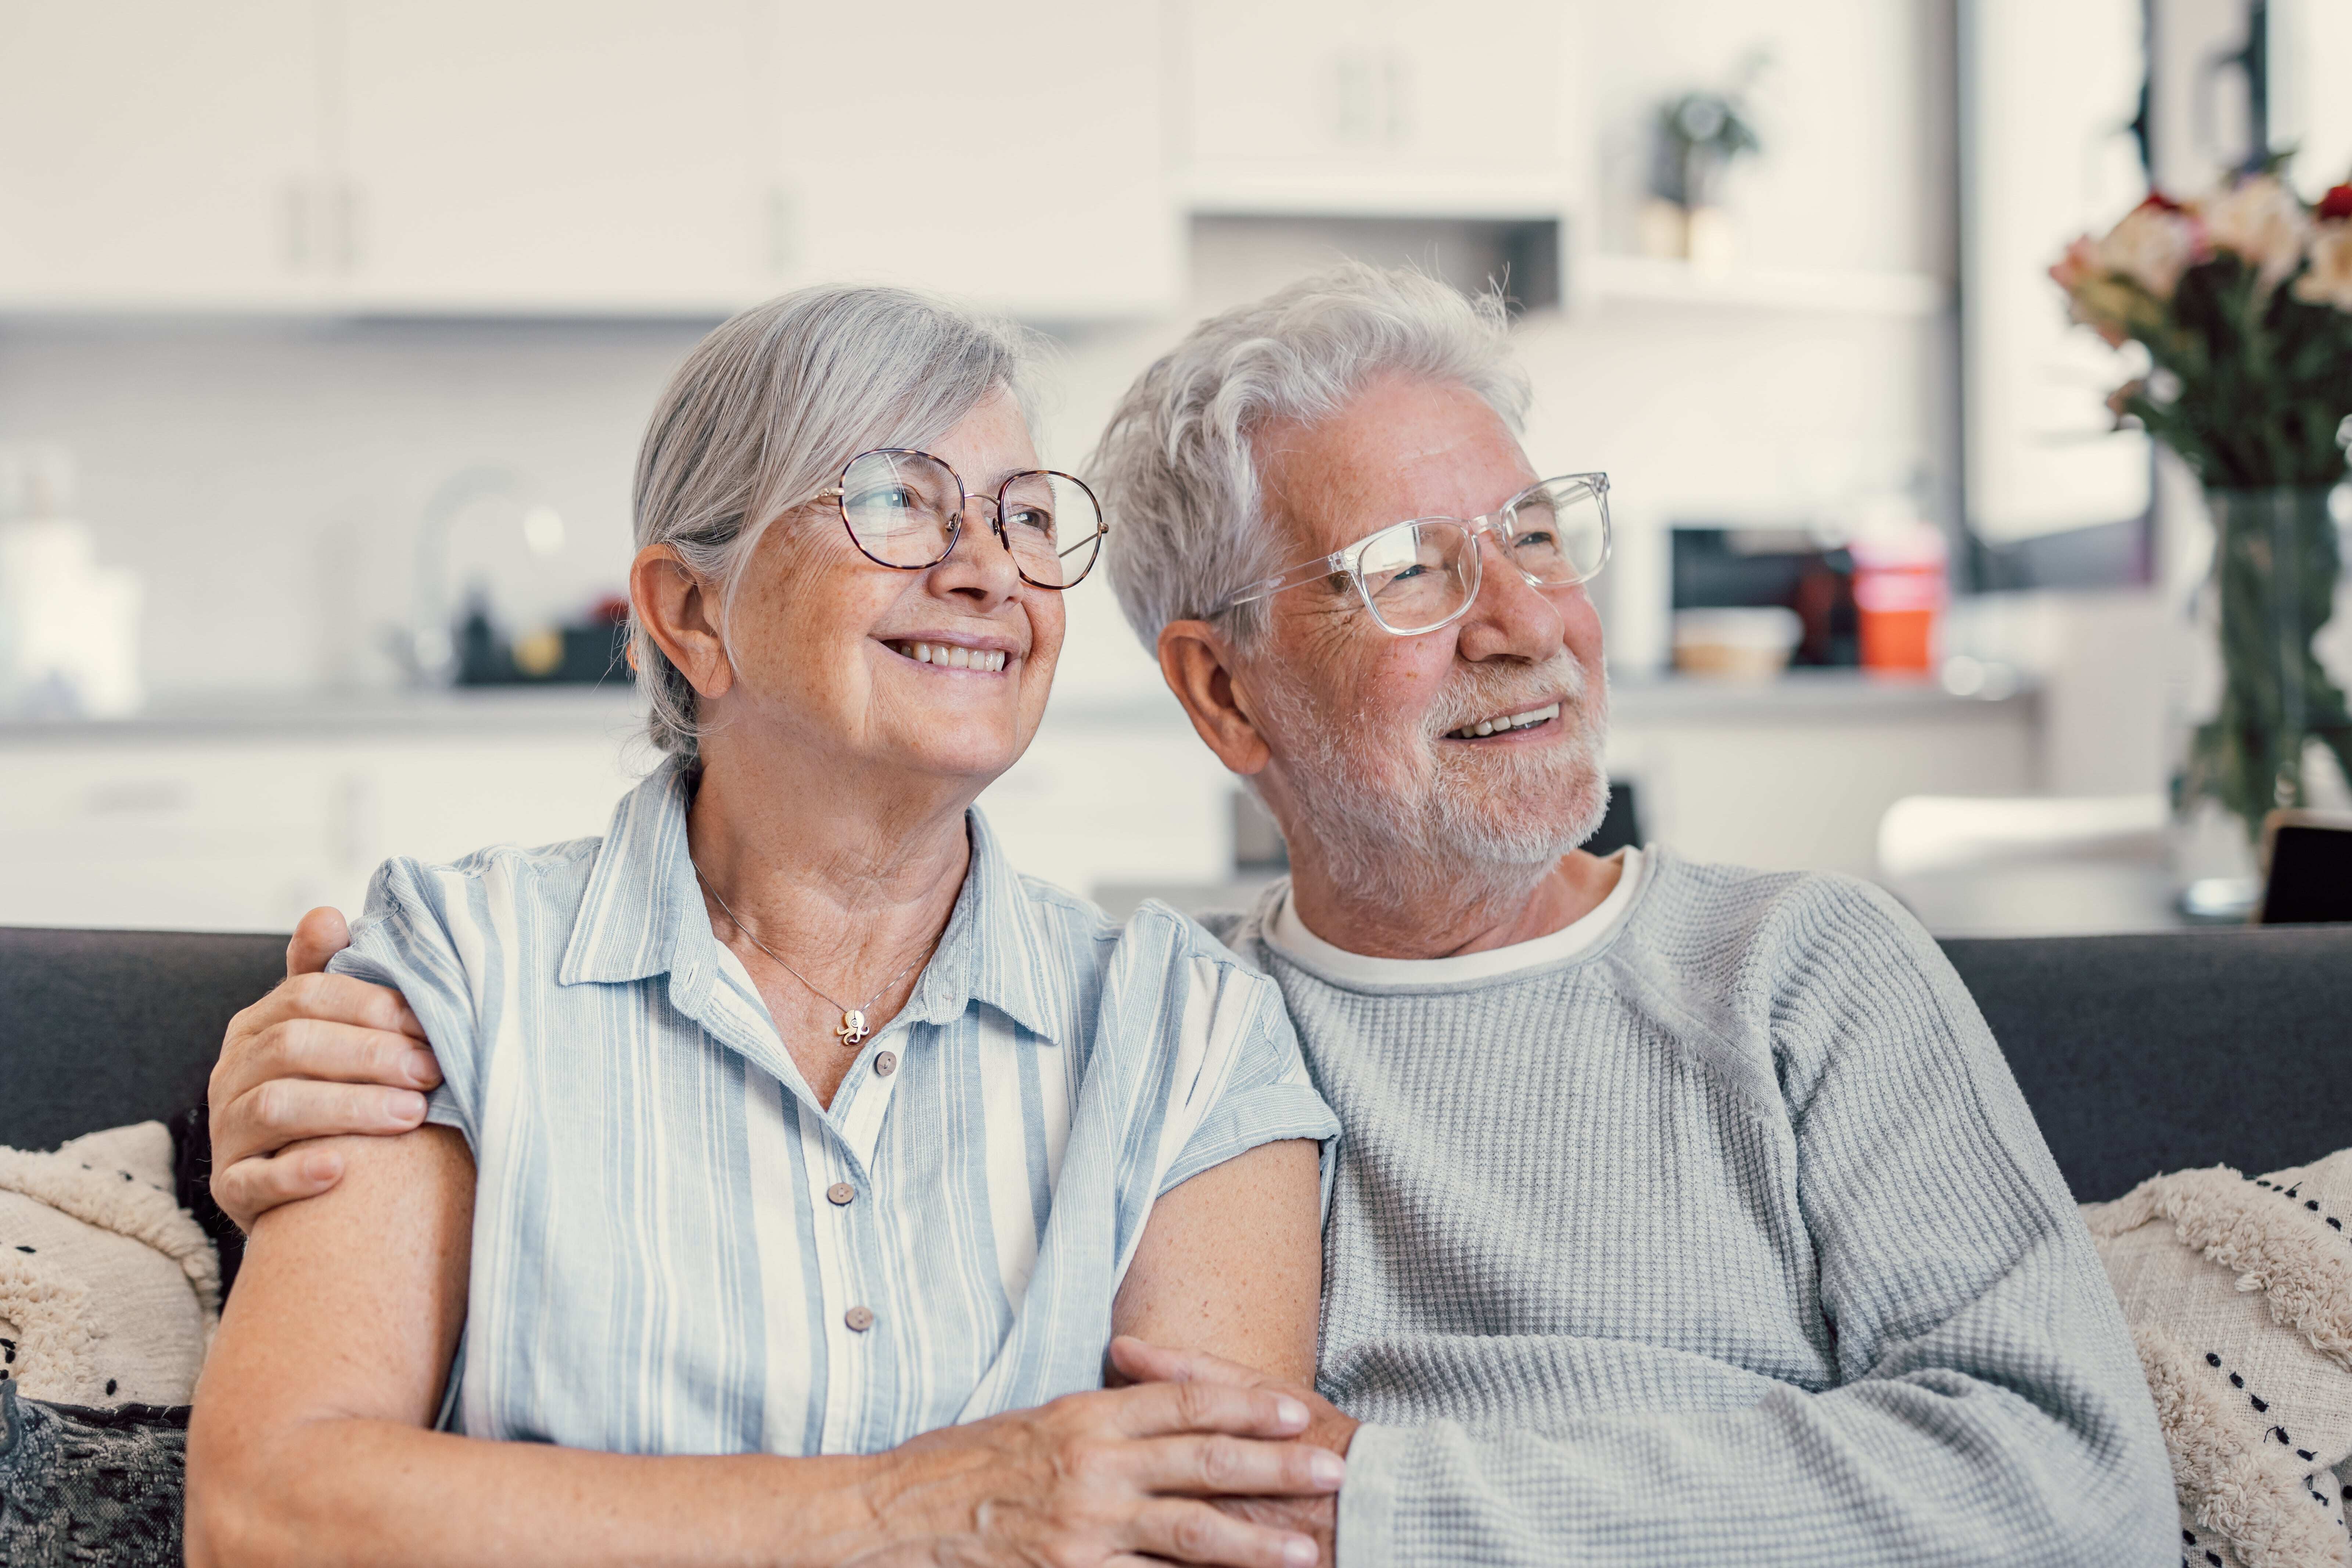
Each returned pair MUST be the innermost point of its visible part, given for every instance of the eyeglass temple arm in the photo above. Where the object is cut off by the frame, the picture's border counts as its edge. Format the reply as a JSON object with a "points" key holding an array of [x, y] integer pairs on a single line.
{"points": [[1288, 576]]}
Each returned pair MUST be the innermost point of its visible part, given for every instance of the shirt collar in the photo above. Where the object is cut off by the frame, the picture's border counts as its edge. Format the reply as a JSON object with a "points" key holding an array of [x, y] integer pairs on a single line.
{"points": [[642, 890], [994, 950], [643, 915]]}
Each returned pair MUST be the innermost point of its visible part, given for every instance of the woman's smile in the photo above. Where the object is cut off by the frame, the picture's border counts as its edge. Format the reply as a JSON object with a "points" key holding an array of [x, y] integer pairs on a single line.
{"points": [[955, 655]]}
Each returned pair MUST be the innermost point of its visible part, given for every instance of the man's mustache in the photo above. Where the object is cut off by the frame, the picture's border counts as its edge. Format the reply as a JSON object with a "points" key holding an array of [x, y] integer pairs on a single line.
{"points": [[1477, 692]]}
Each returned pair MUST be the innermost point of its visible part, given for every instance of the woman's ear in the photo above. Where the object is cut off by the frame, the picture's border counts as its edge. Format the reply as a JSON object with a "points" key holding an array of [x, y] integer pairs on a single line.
{"points": [[1195, 662], [681, 615]]}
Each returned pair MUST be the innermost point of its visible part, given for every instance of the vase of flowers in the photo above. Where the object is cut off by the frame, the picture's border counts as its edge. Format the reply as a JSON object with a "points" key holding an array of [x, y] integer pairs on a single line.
{"points": [[2239, 307]]}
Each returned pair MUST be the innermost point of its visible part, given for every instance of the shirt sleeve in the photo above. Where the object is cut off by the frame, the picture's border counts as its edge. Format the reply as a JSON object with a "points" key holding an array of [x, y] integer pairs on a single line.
{"points": [[1989, 1406], [404, 940], [1250, 1066]]}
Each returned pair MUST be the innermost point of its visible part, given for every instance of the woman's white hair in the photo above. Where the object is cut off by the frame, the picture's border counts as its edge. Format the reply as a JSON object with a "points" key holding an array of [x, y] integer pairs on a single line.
{"points": [[767, 410], [1178, 477]]}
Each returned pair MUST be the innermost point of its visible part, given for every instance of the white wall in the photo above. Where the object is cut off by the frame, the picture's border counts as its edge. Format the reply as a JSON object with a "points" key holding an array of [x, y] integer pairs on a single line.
{"points": [[267, 481]]}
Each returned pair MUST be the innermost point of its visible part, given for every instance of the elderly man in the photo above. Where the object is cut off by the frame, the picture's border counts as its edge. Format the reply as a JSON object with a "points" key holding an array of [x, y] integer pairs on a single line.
{"points": [[1684, 1214]]}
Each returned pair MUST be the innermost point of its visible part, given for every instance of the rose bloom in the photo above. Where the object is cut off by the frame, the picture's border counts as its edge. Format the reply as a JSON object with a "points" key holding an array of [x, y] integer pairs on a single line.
{"points": [[2264, 223], [2336, 203], [2154, 243], [2330, 281]]}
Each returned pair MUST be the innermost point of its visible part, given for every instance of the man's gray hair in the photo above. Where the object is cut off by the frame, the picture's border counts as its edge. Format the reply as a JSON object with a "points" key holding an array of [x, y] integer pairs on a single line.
{"points": [[1178, 476], [765, 412]]}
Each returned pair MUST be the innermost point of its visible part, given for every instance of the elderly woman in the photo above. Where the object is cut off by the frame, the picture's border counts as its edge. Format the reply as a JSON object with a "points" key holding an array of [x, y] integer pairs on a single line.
{"points": [[795, 1158]]}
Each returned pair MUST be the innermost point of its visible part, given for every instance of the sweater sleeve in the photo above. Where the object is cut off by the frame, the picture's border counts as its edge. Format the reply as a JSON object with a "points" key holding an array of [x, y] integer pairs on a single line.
{"points": [[1988, 1405]]}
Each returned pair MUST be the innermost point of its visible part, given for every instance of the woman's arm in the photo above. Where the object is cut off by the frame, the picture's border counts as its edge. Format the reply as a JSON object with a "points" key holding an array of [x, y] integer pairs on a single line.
{"points": [[308, 1442], [1231, 1263]]}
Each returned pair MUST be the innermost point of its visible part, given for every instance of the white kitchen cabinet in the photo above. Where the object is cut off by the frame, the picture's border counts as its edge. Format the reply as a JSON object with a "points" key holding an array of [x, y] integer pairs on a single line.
{"points": [[1013, 154], [587, 156], [245, 834], [1450, 108], [159, 156]]}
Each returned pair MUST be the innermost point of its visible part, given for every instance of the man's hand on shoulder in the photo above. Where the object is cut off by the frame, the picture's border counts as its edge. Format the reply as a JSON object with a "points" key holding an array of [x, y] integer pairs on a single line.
{"points": [[1328, 1426], [321, 1056]]}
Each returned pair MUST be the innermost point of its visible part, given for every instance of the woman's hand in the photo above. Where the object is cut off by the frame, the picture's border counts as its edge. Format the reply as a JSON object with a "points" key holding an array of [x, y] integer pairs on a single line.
{"points": [[1116, 1478]]}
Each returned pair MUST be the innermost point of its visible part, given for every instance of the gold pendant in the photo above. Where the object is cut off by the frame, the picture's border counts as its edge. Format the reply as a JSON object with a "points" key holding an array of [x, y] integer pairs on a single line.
{"points": [[853, 1029]]}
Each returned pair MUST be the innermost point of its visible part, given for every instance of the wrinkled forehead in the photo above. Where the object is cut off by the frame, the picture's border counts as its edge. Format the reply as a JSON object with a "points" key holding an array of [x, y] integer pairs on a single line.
{"points": [[1397, 451]]}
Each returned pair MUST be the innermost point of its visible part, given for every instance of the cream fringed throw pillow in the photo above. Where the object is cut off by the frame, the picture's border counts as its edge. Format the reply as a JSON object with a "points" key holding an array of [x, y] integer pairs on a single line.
{"points": [[109, 1290], [2239, 1291]]}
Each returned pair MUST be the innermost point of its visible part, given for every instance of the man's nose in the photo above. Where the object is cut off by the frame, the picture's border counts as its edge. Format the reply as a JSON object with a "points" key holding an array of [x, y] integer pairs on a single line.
{"points": [[1511, 618]]}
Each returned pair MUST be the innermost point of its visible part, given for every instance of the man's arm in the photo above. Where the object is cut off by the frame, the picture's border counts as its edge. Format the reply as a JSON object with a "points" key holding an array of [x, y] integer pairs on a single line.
{"points": [[1989, 1407], [321, 1056]]}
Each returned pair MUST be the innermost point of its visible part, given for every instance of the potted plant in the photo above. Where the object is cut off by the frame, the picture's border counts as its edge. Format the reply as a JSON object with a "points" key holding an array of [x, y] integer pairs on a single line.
{"points": [[2241, 304]]}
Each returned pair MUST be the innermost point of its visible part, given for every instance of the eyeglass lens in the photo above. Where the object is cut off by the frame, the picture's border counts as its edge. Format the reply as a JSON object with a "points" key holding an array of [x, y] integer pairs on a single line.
{"points": [[1418, 575], [901, 509]]}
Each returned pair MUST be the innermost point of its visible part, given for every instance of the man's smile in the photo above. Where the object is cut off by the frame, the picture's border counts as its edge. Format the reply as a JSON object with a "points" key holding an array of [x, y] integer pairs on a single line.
{"points": [[1505, 723]]}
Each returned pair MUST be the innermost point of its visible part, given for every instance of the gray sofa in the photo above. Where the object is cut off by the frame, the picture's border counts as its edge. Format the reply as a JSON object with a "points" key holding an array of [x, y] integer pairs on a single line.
{"points": [[2138, 1053]]}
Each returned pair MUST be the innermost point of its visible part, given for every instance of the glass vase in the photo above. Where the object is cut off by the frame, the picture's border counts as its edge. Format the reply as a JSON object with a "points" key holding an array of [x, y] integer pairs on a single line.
{"points": [[2267, 727]]}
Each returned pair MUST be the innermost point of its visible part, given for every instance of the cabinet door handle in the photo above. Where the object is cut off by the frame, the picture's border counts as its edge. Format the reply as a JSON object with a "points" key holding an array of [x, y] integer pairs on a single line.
{"points": [[1397, 93], [294, 225], [347, 227]]}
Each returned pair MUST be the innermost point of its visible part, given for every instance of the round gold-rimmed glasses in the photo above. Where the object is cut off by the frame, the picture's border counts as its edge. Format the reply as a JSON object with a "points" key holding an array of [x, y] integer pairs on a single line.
{"points": [[1423, 574], [905, 509]]}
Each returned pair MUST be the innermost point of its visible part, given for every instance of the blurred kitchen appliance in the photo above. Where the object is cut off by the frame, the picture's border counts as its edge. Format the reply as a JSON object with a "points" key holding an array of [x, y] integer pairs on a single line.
{"points": [[1794, 568]]}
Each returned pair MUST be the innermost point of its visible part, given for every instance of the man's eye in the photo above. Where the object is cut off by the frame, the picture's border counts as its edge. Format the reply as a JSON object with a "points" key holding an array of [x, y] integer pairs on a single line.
{"points": [[1541, 539]]}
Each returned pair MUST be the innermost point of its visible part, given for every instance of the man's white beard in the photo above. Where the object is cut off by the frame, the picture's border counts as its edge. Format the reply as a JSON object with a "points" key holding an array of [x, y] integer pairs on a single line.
{"points": [[1477, 820]]}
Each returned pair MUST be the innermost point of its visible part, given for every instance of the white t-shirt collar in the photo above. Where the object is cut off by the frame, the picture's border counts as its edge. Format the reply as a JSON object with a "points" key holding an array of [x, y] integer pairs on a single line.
{"points": [[1288, 934]]}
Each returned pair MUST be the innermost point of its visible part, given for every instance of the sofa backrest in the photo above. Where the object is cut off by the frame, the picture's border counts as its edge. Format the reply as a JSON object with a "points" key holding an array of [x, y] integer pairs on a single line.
{"points": [[2176, 1048], [2138, 1053], [101, 1027]]}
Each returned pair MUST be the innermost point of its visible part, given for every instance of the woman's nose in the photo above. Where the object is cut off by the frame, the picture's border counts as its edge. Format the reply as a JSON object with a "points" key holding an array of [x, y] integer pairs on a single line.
{"points": [[979, 565]]}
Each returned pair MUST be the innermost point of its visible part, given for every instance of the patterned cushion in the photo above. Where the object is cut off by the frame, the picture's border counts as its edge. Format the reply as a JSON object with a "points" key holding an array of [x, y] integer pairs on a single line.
{"points": [[2239, 1291], [109, 1290], [86, 1488]]}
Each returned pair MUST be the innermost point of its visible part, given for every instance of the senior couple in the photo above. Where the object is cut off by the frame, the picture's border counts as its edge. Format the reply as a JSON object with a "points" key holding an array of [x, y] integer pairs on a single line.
{"points": [[791, 1181]]}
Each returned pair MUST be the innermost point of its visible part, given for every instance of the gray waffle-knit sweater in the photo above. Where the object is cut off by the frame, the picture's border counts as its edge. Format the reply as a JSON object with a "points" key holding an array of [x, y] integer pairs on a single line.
{"points": [[1729, 1240]]}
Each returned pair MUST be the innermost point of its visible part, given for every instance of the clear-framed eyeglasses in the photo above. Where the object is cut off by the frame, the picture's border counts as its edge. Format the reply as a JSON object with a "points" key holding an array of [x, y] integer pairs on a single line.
{"points": [[905, 509], [1419, 575]]}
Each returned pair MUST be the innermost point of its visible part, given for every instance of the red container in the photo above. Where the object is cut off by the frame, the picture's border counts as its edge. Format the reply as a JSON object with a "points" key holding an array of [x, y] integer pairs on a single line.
{"points": [[1899, 591]]}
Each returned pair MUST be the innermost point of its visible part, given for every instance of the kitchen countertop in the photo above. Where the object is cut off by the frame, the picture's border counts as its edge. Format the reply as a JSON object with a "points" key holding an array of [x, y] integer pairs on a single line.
{"points": [[1798, 695], [499, 710]]}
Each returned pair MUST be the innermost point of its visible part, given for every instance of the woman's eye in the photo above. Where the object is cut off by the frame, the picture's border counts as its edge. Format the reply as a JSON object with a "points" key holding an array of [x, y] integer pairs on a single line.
{"points": [[892, 498], [1036, 520]]}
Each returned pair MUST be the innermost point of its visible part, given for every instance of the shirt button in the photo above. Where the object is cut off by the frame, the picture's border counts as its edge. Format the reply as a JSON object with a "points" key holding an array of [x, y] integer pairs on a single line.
{"points": [[885, 1063], [840, 1194], [859, 1319]]}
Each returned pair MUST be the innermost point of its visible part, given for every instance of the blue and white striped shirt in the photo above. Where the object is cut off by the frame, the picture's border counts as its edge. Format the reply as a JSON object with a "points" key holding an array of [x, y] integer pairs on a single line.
{"points": [[678, 1251]]}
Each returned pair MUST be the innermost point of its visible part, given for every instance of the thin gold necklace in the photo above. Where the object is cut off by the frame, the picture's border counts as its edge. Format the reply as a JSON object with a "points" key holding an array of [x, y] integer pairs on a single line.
{"points": [[853, 1030]]}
